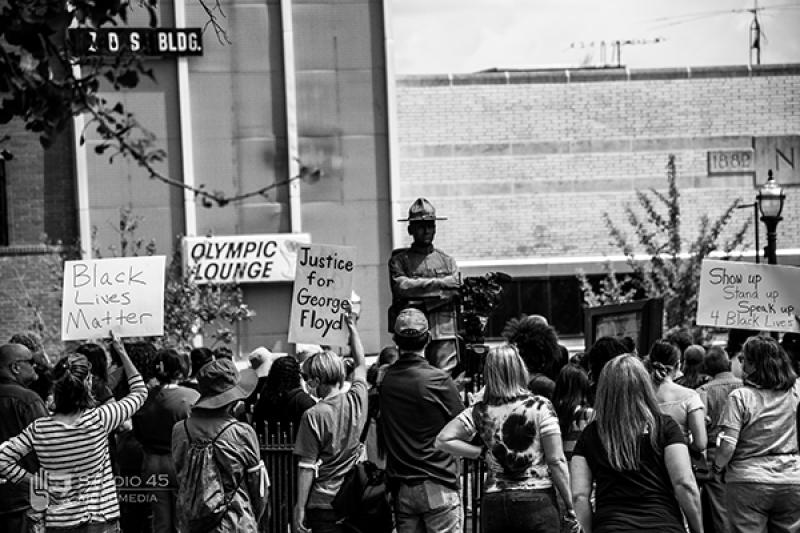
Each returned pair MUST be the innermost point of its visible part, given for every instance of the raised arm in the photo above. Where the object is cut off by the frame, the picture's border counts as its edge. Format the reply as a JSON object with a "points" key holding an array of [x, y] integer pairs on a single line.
{"points": [[356, 348], [114, 414]]}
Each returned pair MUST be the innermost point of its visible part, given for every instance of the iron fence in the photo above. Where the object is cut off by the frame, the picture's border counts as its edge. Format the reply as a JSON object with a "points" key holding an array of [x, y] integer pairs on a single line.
{"points": [[276, 451]]}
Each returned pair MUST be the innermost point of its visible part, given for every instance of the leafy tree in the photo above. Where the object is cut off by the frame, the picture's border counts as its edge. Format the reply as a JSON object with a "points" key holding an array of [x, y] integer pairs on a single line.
{"points": [[612, 288], [40, 85], [190, 309], [672, 271]]}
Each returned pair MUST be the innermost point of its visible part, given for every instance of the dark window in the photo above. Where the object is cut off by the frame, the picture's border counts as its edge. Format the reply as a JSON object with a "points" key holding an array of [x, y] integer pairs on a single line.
{"points": [[559, 299], [3, 205]]}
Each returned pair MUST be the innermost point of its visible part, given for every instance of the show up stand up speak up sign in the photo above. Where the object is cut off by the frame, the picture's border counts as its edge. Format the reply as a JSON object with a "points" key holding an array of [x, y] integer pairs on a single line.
{"points": [[323, 281], [749, 296], [124, 295]]}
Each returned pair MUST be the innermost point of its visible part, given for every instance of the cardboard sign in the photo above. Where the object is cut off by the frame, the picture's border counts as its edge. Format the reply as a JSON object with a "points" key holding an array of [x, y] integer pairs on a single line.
{"points": [[324, 280], [748, 296], [242, 258], [124, 295]]}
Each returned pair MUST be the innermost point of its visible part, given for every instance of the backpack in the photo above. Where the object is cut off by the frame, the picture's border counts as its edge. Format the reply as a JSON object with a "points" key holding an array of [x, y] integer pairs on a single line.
{"points": [[202, 500], [362, 504]]}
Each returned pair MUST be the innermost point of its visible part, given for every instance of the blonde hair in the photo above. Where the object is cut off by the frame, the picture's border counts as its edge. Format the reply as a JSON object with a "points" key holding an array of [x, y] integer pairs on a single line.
{"points": [[504, 374], [626, 408], [327, 367]]}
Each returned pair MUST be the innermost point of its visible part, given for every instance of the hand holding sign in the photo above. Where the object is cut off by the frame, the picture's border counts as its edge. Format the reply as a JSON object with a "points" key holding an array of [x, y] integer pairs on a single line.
{"points": [[323, 283]]}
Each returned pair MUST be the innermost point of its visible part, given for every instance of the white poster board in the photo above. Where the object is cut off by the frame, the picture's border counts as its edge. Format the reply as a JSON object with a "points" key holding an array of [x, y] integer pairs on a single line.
{"points": [[124, 295], [262, 258], [748, 296], [324, 279]]}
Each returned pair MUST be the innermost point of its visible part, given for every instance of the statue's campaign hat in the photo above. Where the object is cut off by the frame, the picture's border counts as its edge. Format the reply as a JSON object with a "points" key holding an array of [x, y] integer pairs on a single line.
{"points": [[421, 210]]}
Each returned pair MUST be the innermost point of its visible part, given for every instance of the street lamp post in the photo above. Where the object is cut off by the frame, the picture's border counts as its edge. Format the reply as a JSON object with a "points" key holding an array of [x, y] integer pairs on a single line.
{"points": [[770, 203]]}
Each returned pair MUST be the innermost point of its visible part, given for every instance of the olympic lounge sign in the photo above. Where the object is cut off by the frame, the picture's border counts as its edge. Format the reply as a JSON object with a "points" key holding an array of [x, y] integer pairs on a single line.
{"points": [[243, 258], [145, 41]]}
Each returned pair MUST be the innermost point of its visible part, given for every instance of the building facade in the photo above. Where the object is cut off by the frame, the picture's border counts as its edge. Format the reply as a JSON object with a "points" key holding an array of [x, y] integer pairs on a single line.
{"points": [[300, 85], [523, 163], [526, 163]]}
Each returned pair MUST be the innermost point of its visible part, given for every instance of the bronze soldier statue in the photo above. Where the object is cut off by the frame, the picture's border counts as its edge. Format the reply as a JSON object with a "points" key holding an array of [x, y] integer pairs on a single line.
{"points": [[427, 278]]}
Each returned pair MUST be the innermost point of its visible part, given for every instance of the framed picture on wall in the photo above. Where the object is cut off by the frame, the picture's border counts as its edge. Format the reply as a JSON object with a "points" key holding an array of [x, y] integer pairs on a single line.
{"points": [[641, 320]]}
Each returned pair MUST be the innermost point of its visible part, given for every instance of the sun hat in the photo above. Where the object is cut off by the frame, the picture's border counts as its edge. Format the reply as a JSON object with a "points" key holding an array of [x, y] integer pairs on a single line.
{"points": [[220, 383], [411, 322], [421, 210]]}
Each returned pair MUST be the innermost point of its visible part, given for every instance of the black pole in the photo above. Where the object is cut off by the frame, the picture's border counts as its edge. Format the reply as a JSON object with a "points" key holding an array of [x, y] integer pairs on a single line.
{"points": [[755, 220], [771, 250]]}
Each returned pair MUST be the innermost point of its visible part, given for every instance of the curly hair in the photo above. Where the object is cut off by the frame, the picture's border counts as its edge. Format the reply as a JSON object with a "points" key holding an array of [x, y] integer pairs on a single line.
{"points": [[537, 343], [602, 351], [284, 376]]}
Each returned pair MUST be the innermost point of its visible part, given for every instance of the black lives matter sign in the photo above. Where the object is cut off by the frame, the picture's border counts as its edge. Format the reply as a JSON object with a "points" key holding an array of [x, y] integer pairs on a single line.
{"points": [[144, 41]]}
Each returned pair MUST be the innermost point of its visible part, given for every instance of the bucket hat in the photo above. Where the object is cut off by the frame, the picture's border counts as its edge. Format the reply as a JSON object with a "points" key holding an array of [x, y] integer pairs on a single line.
{"points": [[421, 210], [220, 383]]}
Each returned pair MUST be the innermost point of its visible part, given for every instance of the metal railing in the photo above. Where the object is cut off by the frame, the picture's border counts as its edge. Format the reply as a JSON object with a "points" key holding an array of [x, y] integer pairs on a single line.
{"points": [[276, 451]]}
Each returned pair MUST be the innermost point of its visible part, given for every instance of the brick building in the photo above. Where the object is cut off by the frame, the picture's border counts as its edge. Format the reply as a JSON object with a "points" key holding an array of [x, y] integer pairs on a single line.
{"points": [[525, 163]]}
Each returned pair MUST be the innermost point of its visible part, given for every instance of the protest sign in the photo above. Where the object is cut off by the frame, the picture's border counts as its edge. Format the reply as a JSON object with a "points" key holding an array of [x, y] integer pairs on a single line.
{"points": [[259, 258], [323, 280], [748, 296], [124, 295]]}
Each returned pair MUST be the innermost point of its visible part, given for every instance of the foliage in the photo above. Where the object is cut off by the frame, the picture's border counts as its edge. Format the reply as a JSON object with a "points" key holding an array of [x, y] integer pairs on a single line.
{"points": [[190, 309], [673, 269], [480, 297], [612, 289], [31, 288], [43, 84]]}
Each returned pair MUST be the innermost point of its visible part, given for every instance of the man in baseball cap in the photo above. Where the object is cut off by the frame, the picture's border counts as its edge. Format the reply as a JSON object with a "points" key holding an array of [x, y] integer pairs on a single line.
{"points": [[426, 278], [416, 401]]}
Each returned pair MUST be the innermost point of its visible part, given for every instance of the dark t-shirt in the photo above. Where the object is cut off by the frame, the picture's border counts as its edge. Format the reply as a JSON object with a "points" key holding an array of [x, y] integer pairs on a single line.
{"points": [[630, 500], [19, 407], [153, 424], [271, 414], [416, 401]]}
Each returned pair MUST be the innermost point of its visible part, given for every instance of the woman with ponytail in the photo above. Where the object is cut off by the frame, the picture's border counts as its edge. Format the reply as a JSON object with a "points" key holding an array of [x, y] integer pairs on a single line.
{"points": [[681, 403], [74, 485]]}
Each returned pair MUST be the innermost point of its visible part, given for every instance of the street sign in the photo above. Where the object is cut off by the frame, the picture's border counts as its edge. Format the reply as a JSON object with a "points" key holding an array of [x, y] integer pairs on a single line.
{"points": [[145, 41]]}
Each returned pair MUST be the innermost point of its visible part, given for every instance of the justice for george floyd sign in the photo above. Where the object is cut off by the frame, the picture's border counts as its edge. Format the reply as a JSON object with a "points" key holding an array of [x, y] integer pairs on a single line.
{"points": [[124, 295], [244, 258], [323, 281], [748, 296]]}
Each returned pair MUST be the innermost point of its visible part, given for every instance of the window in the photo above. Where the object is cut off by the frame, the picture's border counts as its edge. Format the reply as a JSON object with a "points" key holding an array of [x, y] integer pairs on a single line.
{"points": [[558, 298]]}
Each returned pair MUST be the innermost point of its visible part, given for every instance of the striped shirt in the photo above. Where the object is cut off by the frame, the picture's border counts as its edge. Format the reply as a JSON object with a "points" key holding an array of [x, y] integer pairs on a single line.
{"points": [[75, 467]]}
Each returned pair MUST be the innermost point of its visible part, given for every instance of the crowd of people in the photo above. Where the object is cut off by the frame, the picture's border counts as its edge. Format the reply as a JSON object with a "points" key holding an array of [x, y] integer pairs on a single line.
{"points": [[673, 437], [612, 440]]}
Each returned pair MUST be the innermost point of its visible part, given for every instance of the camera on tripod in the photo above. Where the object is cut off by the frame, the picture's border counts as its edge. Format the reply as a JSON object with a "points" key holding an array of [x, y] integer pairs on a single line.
{"points": [[481, 296]]}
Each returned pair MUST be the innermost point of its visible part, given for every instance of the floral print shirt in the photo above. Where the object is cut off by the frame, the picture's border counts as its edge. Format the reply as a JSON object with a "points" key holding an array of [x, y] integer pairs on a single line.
{"points": [[512, 433]]}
